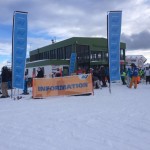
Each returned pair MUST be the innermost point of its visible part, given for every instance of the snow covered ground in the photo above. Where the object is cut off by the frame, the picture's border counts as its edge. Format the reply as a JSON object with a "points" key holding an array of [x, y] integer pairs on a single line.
{"points": [[116, 121]]}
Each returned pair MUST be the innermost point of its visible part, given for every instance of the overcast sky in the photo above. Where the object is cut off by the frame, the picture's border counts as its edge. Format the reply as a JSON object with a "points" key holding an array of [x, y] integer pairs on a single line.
{"points": [[62, 19]]}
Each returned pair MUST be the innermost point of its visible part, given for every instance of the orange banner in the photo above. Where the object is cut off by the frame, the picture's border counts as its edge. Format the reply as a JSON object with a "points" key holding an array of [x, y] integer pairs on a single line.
{"points": [[70, 85]]}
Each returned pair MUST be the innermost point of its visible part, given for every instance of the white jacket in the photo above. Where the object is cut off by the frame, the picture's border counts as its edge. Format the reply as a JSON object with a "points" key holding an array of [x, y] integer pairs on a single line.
{"points": [[147, 72]]}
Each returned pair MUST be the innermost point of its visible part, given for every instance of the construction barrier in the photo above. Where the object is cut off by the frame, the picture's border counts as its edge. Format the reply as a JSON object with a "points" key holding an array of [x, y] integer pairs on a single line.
{"points": [[70, 85]]}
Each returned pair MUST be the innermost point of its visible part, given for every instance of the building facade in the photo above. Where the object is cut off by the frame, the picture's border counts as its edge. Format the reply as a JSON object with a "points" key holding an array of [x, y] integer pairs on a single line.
{"points": [[90, 52]]}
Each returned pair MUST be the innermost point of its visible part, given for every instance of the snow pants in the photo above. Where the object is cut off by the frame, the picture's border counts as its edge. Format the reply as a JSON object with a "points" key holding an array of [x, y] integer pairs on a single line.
{"points": [[4, 89], [128, 81], [133, 81]]}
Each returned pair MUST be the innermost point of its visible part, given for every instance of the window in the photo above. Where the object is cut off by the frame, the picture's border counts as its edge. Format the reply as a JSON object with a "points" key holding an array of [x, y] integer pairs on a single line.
{"points": [[103, 55], [55, 53], [46, 55], [96, 55], [41, 56], [34, 72], [67, 51], [43, 69], [60, 53], [27, 71], [106, 55], [99, 55], [83, 53], [91, 56], [122, 54], [52, 54]]}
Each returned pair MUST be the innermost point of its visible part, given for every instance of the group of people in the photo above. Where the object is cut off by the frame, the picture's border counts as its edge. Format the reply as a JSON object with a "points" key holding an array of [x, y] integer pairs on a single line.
{"points": [[6, 81], [130, 77], [100, 76], [133, 75], [40, 74]]}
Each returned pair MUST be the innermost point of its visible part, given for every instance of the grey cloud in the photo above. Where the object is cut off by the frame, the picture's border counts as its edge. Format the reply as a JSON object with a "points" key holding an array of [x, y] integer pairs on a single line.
{"points": [[147, 2], [137, 41], [65, 18]]}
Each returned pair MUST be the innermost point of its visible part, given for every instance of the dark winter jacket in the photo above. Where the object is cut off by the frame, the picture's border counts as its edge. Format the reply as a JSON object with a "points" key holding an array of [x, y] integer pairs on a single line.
{"points": [[58, 74], [40, 74], [5, 74]]}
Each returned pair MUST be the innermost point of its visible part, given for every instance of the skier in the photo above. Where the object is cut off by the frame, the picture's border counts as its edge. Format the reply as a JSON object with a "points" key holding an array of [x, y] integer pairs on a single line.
{"points": [[134, 74], [147, 74], [4, 85], [123, 76], [25, 91], [128, 77]]}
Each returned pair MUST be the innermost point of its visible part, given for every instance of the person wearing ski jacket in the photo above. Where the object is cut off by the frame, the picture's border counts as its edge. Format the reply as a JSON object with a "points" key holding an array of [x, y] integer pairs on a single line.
{"points": [[123, 77], [58, 73], [4, 85], [128, 77], [25, 90], [79, 71], [40, 73], [134, 74], [147, 74]]}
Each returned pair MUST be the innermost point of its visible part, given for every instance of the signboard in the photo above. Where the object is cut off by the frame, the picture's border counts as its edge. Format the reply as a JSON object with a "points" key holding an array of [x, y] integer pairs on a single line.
{"points": [[72, 63], [70, 85], [19, 49], [138, 60], [114, 31]]}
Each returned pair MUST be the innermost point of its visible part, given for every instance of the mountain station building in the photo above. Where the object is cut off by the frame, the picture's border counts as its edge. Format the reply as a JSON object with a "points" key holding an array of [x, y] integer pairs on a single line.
{"points": [[90, 52]]}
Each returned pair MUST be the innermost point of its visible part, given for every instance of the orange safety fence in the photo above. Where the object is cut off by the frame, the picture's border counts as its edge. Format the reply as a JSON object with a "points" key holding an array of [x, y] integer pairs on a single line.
{"points": [[70, 85]]}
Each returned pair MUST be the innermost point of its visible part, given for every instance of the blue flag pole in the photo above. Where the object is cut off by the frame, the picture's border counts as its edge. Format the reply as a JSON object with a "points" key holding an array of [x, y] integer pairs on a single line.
{"points": [[113, 36], [19, 47]]}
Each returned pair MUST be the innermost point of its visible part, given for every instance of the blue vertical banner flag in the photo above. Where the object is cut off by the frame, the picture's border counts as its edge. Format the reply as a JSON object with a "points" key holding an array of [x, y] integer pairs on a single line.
{"points": [[114, 31], [72, 63], [19, 48]]}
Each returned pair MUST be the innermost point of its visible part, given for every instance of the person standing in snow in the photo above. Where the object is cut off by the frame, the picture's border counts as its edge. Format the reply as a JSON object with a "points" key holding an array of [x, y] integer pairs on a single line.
{"points": [[128, 77], [134, 74], [25, 91], [4, 85], [79, 71], [40, 73], [147, 74], [58, 73], [123, 77], [103, 76]]}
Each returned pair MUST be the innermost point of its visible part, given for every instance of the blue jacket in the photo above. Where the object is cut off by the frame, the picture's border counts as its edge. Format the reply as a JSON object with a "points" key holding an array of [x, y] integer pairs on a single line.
{"points": [[129, 72], [134, 71]]}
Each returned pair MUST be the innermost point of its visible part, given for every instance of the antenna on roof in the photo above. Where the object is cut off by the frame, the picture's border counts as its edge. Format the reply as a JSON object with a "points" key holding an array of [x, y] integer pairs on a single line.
{"points": [[53, 40]]}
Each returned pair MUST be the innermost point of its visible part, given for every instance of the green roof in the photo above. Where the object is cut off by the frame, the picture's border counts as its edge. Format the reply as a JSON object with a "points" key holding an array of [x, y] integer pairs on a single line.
{"points": [[95, 44]]}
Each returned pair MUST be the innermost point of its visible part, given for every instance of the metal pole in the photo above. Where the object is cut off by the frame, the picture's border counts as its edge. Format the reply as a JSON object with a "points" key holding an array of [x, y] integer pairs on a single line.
{"points": [[12, 54], [76, 66], [108, 58]]}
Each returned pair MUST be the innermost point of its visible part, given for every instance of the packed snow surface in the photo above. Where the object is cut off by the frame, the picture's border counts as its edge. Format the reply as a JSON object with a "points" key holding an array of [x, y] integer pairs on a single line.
{"points": [[103, 121]]}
